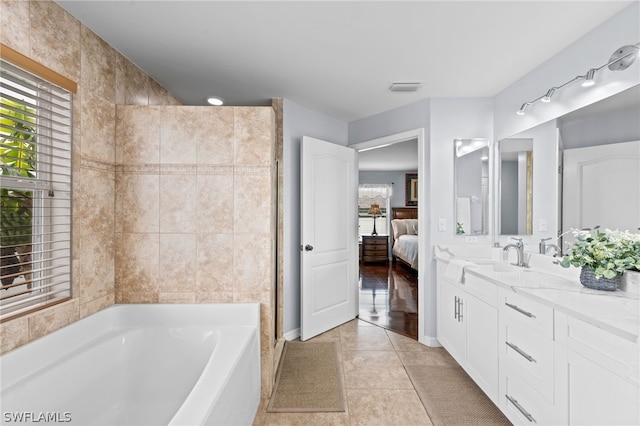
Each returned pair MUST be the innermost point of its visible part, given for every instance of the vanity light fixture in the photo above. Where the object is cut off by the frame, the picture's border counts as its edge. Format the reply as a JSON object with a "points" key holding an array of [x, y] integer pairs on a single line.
{"points": [[547, 97], [620, 60], [215, 100]]}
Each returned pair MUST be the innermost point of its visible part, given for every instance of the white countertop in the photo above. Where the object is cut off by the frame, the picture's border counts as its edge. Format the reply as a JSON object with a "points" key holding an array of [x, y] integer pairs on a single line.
{"points": [[615, 311]]}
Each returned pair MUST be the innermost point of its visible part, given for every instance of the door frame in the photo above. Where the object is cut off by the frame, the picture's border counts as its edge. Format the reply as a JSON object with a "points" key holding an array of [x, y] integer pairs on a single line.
{"points": [[422, 210]]}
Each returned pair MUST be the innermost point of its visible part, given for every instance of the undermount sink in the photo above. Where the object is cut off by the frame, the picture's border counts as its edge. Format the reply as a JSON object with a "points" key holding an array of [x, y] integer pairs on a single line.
{"points": [[536, 278], [497, 266], [516, 275]]}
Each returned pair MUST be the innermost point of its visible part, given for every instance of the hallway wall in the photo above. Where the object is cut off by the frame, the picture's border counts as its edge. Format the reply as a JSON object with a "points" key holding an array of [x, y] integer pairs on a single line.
{"points": [[299, 121]]}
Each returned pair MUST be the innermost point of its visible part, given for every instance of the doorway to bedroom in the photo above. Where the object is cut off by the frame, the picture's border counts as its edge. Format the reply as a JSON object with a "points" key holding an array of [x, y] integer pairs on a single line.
{"points": [[388, 270]]}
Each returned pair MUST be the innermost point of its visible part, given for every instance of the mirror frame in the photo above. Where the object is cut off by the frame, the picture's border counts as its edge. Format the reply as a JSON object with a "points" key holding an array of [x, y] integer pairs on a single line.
{"points": [[486, 209], [528, 214]]}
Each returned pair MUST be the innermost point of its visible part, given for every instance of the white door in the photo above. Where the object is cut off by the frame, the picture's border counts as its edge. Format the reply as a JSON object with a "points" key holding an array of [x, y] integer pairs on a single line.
{"points": [[602, 187], [329, 236]]}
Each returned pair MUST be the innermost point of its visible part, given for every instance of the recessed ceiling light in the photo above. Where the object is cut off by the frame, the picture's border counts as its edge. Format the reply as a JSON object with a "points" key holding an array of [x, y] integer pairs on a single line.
{"points": [[214, 100]]}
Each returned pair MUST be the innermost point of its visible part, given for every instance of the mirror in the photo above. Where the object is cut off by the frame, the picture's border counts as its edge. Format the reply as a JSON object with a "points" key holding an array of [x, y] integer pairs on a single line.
{"points": [[600, 147], [471, 177], [608, 197], [516, 186]]}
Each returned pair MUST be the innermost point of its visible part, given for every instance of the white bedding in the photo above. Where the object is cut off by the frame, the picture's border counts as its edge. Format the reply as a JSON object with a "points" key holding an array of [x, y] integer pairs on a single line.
{"points": [[405, 247]]}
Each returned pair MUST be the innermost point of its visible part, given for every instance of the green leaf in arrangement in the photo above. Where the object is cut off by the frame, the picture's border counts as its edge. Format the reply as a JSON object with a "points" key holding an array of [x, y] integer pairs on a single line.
{"points": [[608, 253]]}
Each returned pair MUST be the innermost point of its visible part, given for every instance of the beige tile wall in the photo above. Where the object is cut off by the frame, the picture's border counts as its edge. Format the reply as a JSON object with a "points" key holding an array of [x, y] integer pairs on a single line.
{"points": [[163, 212], [194, 209], [46, 33]]}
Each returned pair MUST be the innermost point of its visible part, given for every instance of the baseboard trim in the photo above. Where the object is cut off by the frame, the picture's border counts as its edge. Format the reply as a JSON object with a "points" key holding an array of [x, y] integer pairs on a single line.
{"points": [[292, 335], [430, 341]]}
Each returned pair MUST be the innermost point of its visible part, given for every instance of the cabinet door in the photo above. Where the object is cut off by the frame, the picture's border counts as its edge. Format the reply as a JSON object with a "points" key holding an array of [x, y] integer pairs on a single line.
{"points": [[451, 322], [599, 397], [482, 345]]}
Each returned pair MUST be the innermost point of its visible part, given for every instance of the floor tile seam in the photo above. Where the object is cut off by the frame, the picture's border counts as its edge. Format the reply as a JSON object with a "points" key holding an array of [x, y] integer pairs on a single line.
{"points": [[383, 389], [369, 350]]}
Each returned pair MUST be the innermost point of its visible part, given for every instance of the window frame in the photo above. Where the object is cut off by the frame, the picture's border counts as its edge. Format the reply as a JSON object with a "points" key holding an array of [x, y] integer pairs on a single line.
{"points": [[49, 259], [383, 207]]}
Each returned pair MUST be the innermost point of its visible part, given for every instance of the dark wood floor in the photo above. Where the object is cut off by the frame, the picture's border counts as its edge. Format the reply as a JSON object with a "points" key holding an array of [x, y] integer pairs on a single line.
{"points": [[389, 297]]}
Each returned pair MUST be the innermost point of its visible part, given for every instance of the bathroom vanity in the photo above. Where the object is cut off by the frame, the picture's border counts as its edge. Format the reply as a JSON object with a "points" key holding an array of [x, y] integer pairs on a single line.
{"points": [[542, 347]]}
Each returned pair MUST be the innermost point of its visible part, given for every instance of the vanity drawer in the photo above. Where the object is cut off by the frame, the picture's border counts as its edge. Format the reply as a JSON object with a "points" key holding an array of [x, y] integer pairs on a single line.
{"points": [[523, 405], [615, 353], [481, 288], [527, 312], [528, 354]]}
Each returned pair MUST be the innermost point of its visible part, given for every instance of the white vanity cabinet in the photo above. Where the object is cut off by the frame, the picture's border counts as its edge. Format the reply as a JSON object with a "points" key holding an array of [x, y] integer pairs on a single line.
{"points": [[529, 362], [547, 352], [452, 324], [468, 328], [603, 384]]}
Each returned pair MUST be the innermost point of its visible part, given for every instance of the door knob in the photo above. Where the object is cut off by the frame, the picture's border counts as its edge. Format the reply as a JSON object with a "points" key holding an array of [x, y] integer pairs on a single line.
{"points": [[308, 247]]}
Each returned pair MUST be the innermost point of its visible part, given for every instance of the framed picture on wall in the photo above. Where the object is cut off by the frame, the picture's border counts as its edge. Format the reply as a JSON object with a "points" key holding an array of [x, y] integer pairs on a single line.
{"points": [[411, 189]]}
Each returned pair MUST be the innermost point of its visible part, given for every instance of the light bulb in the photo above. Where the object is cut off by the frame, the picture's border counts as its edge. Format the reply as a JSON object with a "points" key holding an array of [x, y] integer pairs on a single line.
{"points": [[522, 108], [588, 79], [547, 97]]}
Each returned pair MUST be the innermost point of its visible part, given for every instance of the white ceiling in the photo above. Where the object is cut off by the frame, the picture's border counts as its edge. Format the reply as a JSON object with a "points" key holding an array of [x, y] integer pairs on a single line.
{"points": [[401, 156], [339, 57]]}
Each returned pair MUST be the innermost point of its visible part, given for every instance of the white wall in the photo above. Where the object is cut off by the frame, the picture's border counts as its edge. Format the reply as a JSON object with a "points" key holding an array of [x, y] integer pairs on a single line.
{"points": [[590, 51], [299, 121], [450, 119], [395, 177], [408, 117]]}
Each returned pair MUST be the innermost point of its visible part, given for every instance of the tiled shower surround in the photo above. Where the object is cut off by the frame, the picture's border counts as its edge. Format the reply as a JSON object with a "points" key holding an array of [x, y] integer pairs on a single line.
{"points": [[194, 216], [170, 204]]}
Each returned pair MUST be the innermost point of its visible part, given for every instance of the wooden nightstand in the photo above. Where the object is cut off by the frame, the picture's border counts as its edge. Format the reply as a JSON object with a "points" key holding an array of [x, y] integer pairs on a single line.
{"points": [[375, 248]]}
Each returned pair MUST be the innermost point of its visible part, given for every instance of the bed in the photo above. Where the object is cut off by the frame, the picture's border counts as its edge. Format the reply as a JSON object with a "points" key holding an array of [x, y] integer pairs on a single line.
{"points": [[404, 235]]}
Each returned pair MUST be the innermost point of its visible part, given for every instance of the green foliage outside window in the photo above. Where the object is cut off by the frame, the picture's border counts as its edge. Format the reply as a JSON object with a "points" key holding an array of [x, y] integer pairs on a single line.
{"points": [[17, 159]]}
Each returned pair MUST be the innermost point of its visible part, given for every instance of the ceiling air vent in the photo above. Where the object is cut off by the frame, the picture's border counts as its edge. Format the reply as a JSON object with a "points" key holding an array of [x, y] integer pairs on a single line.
{"points": [[405, 87]]}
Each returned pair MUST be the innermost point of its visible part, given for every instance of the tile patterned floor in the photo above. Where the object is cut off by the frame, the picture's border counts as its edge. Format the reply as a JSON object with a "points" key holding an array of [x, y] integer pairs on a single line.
{"points": [[377, 388]]}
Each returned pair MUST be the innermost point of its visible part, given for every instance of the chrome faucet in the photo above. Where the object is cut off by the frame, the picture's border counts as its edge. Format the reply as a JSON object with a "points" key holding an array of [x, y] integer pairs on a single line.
{"points": [[558, 252], [519, 246], [544, 248]]}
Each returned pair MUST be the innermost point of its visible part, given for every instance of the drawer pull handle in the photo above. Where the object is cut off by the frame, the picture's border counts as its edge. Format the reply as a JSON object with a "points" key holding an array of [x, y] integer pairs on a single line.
{"points": [[522, 311], [521, 352], [521, 409], [456, 308]]}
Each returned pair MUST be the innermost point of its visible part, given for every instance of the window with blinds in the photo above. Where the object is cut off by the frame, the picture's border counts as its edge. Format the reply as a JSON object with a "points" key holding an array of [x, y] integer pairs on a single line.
{"points": [[35, 192], [372, 193]]}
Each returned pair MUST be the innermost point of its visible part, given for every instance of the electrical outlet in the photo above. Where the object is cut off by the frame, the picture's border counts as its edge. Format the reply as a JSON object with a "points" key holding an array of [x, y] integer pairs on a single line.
{"points": [[442, 224], [471, 239], [542, 225]]}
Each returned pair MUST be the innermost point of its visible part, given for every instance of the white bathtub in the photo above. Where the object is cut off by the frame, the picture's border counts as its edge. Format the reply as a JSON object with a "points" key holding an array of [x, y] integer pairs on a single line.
{"points": [[139, 365]]}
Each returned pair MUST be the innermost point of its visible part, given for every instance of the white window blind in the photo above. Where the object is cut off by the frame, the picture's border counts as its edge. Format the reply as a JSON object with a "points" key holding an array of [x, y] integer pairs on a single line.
{"points": [[373, 193], [35, 192]]}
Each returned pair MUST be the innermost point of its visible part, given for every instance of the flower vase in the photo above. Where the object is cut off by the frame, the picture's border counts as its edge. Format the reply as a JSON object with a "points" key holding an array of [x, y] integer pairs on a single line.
{"points": [[589, 280]]}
